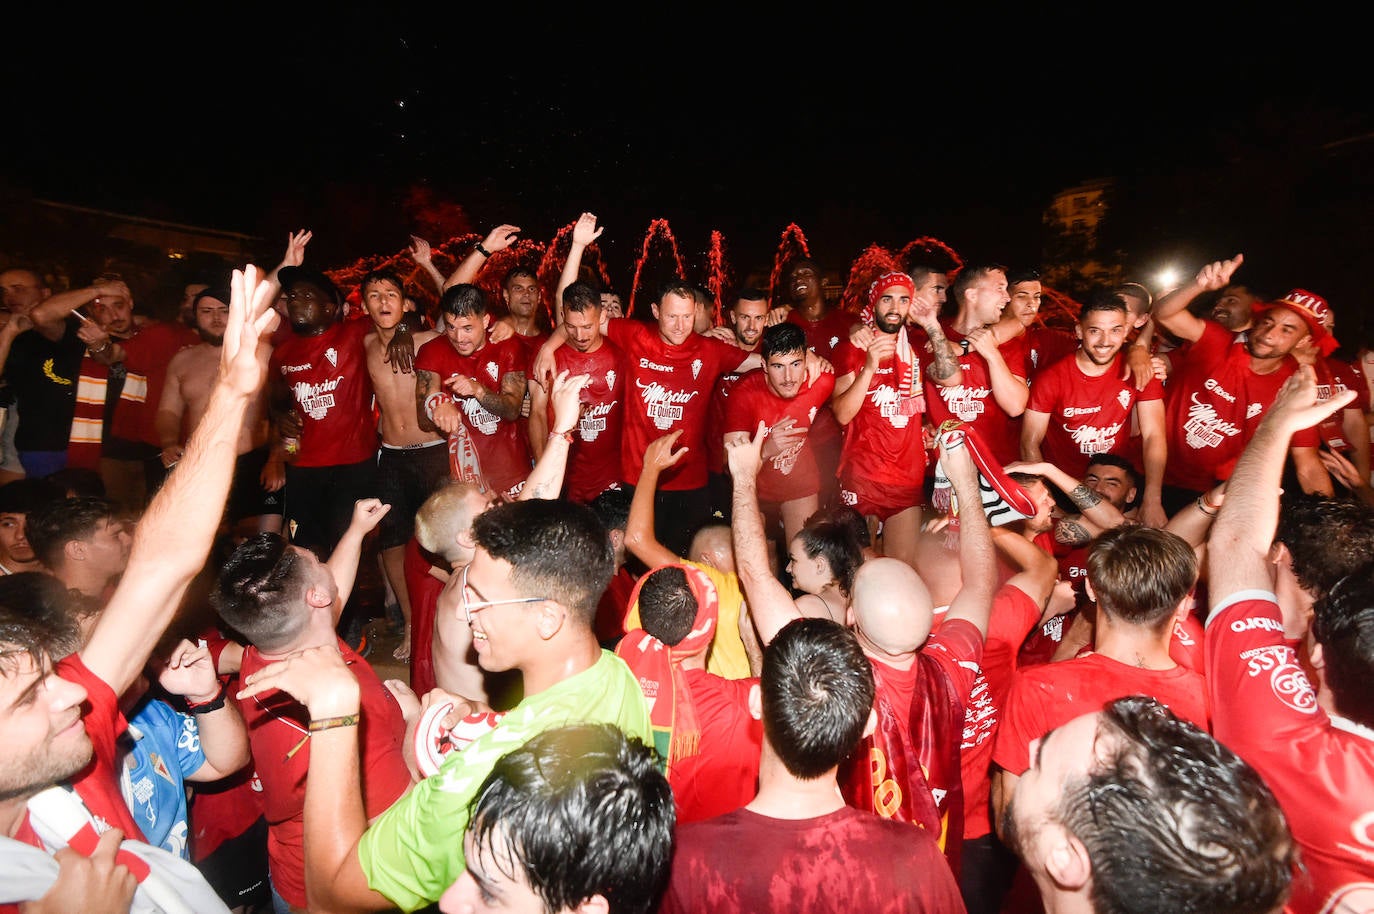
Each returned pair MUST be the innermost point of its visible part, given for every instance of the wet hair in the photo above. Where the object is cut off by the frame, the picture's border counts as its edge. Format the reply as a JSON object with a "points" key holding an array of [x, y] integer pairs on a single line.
{"points": [[1133, 476], [679, 287], [42, 637], [556, 549], [1141, 574], [849, 517], [42, 598], [781, 339], [28, 494], [442, 517], [463, 300], [586, 787], [1327, 537], [750, 293], [1173, 802], [836, 543], [817, 690], [1103, 300], [515, 273], [613, 507], [1343, 624], [259, 592], [1023, 274], [667, 606], [55, 524], [382, 274], [581, 296]]}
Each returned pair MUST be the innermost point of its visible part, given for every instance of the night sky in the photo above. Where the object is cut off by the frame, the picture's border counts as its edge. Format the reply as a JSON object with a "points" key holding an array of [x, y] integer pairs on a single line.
{"points": [[859, 131]]}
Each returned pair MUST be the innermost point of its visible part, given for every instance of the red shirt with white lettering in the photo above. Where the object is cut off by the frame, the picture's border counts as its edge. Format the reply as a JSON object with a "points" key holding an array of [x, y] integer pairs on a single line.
{"points": [[972, 401], [594, 460], [883, 443], [502, 448], [792, 474], [1320, 767], [669, 388], [1213, 403], [1088, 415], [824, 336], [332, 389]]}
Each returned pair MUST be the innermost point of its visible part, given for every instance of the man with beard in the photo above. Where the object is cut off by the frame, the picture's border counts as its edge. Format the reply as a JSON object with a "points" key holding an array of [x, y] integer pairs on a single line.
{"points": [[880, 402], [1220, 389], [1080, 407], [255, 502], [745, 322]]}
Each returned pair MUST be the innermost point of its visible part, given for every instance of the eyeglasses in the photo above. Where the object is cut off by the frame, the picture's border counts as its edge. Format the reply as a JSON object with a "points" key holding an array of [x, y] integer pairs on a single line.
{"points": [[472, 606]]}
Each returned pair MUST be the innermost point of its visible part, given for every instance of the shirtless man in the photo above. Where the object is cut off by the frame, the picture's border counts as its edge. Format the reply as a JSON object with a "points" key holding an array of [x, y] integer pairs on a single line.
{"points": [[412, 462], [255, 502]]}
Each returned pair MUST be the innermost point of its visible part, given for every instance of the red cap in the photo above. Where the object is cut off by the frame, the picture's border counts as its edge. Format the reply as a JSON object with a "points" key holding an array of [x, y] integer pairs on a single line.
{"points": [[1313, 309]]}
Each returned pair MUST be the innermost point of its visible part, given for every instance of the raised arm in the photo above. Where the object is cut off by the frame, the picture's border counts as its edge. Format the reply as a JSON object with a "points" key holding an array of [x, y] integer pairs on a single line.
{"points": [[424, 258], [1171, 311], [944, 368], [1008, 389], [977, 558], [1238, 549], [498, 239], [546, 479], [584, 232], [174, 535], [343, 561], [770, 603], [639, 528]]}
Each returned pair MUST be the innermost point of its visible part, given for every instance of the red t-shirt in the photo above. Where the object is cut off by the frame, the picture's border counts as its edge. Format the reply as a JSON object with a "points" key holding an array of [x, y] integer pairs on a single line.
{"points": [[1046, 696], [792, 474], [147, 354], [972, 401], [594, 459], [1213, 404], [715, 420], [1336, 376], [824, 336], [669, 388], [328, 378], [424, 589], [883, 443], [1320, 768], [724, 775], [502, 446], [1087, 415], [614, 606], [276, 725], [1014, 614], [1044, 347], [848, 860]]}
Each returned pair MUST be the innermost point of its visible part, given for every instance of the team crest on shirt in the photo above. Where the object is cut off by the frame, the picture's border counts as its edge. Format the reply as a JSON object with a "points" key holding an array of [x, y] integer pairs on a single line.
{"points": [[332, 355], [1253, 410], [1124, 398], [610, 379], [834, 341], [494, 371], [696, 368], [811, 415], [1286, 677]]}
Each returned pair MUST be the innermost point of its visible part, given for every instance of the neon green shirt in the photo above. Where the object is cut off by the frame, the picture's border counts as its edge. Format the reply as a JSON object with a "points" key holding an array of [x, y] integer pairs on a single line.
{"points": [[413, 852]]}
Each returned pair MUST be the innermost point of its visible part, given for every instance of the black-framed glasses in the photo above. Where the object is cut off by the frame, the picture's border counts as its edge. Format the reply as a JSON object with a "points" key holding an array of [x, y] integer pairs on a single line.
{"points": [[472, 606]]}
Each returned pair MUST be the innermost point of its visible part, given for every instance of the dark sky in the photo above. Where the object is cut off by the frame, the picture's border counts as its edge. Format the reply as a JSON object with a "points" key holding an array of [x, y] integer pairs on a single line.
{"points": [[859, 130]]}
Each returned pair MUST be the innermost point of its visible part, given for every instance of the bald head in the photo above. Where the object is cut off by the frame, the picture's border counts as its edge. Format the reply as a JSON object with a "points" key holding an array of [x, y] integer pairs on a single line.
{"points": [[892, 607], [714, 546]]}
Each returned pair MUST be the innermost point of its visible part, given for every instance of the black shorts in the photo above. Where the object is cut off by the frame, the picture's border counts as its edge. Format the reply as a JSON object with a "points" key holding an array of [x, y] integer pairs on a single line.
{"points": [[247, 497], [406, 476], [237, 869]]}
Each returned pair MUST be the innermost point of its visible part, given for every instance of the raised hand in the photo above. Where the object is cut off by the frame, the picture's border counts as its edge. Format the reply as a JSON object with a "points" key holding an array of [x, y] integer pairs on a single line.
{"points": [[585, 230], [295, 248]]}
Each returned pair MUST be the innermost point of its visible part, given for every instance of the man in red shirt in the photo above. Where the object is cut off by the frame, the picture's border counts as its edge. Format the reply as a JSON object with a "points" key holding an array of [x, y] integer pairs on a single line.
{"points": [[1312, 742], [781, 397], [745, 322], [283, 600], [470, 389], [1219, 389], [47, 737], [1080, 407], [880, 401]]}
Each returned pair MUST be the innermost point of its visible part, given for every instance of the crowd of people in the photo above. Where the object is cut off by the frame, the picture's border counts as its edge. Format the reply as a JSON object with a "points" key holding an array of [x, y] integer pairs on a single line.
{"points": [[912, 601]]}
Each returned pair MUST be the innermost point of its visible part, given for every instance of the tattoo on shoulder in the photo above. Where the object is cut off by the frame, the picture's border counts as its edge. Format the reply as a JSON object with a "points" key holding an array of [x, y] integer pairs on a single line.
{"points": [[1071, 533]]}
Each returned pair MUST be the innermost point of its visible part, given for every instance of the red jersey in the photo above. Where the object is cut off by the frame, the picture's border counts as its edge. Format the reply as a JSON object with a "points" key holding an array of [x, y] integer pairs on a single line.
{"points": [[594, 459], [277, 725], [792, 474], [146, 355], [328, 378], [1088, 415], [1320, 768], [972, 401], [1213, 404], [1046, 696], [502, 447], [1014, 614], [424, 589], [669, 388], [724, 775], [715, 420], [824, 336], [883, 442], [1044, 347], [1336, 376]]}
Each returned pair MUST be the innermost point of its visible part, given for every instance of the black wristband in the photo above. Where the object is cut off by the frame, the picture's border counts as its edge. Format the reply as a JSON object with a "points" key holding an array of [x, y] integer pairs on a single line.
{"points": [[213, 704], [481, 250]]}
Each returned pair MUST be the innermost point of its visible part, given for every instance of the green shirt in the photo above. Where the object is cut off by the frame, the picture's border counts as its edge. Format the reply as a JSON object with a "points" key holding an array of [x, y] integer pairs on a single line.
{"points": [[413, 852]]}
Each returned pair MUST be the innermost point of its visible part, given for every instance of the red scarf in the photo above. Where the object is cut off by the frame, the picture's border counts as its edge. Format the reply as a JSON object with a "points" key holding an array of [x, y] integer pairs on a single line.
{"points": [[896, 770], [658, 668], [88, 416]]}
